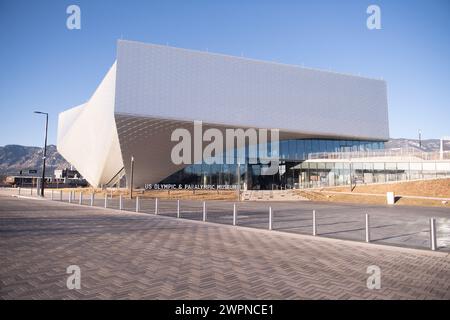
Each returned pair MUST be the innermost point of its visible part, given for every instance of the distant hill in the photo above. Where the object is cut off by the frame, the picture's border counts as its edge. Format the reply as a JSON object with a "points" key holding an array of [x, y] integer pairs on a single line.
{"points": [[14, 158], [428, 145]]}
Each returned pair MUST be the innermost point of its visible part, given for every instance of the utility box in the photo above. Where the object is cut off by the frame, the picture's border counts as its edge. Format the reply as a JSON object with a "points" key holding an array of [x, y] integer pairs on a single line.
{"points": [[390, 198]]}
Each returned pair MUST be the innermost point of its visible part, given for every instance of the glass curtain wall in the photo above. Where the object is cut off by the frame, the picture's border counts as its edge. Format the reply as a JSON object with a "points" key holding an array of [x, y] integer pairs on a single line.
{"points": [[324, 174], [292, 153]]}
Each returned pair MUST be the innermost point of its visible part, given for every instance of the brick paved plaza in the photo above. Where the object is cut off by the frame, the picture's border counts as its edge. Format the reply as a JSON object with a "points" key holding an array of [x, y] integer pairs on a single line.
{"points": [[394, 225], [124, 255]]}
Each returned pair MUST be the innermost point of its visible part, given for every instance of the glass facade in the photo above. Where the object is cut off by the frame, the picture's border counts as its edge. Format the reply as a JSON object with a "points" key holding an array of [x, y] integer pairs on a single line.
{"points": [[299, 149], [248, 174], [326, 174]]}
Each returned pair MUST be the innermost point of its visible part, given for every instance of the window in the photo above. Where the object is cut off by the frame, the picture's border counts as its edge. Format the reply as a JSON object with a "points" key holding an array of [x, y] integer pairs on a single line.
{"points": [[323, 145], [301, 149], [329, 146], [427, 166], [284, 146], [336, 146], [292, 149], [315, 146], [308, 147]]}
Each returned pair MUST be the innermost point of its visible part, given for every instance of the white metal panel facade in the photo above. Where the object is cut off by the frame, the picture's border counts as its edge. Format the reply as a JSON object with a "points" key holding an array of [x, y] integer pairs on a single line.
{"points": [[172, 83], [87, 135]]}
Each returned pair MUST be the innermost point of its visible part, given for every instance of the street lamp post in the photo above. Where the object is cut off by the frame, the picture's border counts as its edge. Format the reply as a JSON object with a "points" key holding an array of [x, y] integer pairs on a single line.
{"points": [[132, 176], [420, 138], [238, 169], [45, 151]]}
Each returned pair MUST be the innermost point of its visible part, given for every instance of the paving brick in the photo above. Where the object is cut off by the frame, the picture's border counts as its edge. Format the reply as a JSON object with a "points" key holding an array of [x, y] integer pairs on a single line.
{"points": [[142, 256]]}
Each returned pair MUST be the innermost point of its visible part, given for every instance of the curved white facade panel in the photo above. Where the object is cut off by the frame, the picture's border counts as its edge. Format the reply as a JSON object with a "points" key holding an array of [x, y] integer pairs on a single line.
{"points": [[87, 135], [153, 89]]}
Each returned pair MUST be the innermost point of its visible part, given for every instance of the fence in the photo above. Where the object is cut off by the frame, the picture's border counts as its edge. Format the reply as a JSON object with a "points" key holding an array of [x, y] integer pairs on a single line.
{"points": [[404, 153], [338, 173], [242, 214]]}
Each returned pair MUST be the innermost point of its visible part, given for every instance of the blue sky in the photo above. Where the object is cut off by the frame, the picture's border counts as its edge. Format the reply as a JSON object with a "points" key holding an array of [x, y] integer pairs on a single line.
{"points": [[45, 66]]}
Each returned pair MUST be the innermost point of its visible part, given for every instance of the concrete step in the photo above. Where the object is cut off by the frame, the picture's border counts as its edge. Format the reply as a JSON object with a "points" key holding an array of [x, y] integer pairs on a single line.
{"points": [[269, 195]]}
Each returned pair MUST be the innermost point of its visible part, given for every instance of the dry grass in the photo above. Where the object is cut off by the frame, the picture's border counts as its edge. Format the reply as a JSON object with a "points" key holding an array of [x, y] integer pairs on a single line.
{"points": [[164, 194], [439, 188], [380, 200]]}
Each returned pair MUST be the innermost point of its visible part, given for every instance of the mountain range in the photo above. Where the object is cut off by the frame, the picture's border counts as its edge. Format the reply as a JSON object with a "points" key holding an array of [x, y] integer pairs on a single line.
{"points": [[430, 145], [14, 158]]}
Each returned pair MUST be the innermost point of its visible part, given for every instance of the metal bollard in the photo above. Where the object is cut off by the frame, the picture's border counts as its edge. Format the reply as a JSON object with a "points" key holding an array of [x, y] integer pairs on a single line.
{"points": [[19, 191], [137, 204], [51, 194], [60, 195], [120, 202], [81, 198], [106, 200], [367, 228], [178, 208], [204, 211], [270, 218], [92, 199], [314, 223], [156, 205], [433, 239], [234, 214], [31, 191], [70, 196]]}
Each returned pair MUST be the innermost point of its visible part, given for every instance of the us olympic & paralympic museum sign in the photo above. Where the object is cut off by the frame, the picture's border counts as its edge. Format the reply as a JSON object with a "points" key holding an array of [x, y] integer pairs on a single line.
{"points": [[157, 186]]}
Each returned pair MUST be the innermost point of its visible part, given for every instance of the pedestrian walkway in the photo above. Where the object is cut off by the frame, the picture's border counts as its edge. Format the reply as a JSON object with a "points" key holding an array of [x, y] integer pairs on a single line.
{"points": [[125, 255]]}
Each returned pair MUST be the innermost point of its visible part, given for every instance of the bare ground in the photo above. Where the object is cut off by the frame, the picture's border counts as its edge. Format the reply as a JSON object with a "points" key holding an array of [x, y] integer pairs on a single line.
{"points": [[164, 194], [439, 188]]}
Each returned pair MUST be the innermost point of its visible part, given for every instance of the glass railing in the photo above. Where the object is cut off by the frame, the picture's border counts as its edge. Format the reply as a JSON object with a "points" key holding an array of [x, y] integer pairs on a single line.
{"points": [[402, 153]]}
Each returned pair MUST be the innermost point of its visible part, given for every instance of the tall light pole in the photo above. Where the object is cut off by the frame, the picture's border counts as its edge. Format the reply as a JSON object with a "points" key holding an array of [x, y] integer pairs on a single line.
{"points": [[441, 147], [420, 138], [132, 176], [238, 172], [45, 151], [351, 174]]}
